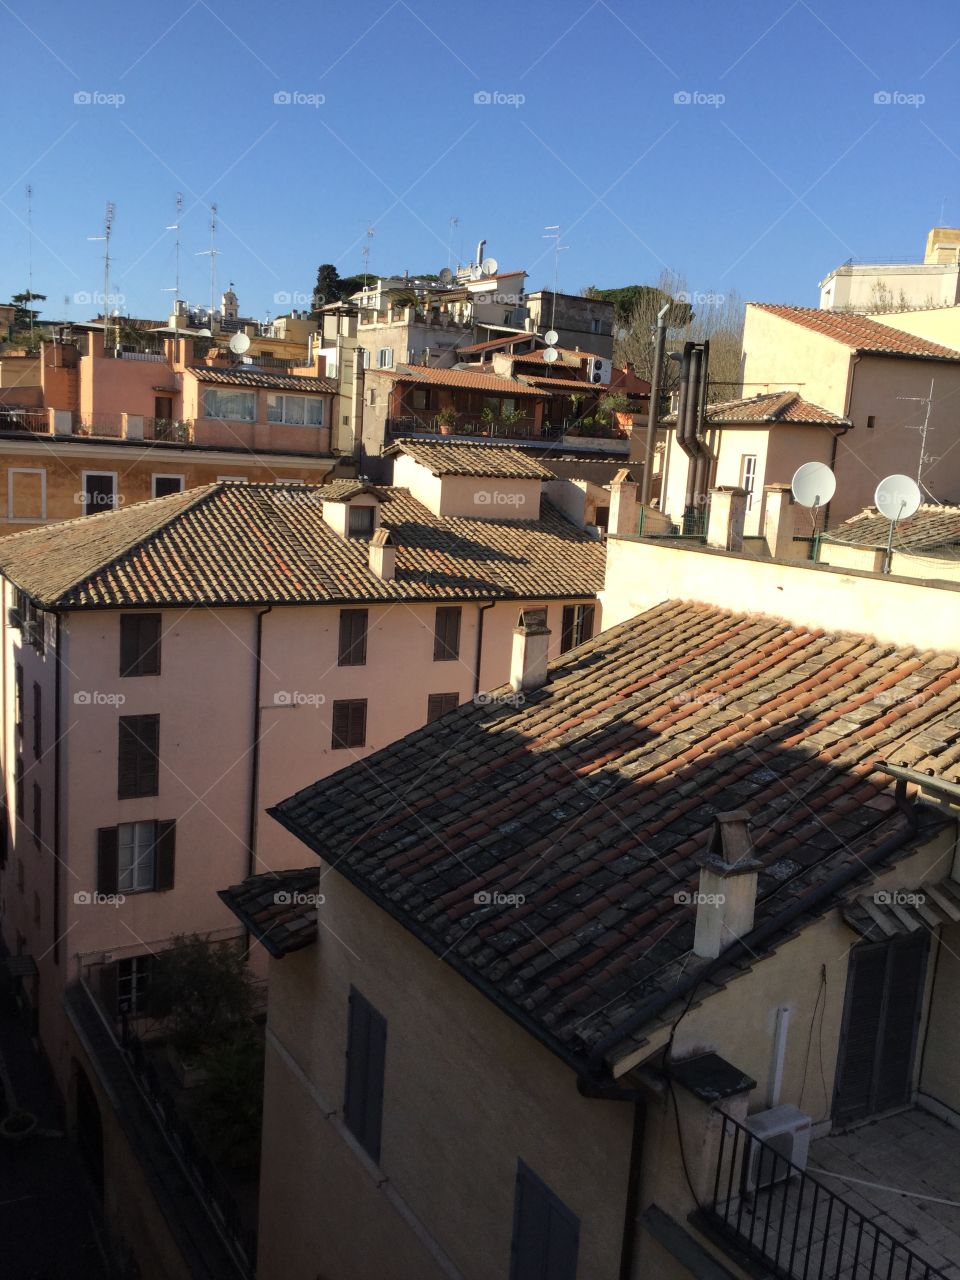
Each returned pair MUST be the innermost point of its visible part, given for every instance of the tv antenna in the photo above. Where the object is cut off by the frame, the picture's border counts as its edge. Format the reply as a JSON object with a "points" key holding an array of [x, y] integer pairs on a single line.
{"points": [[107, 232], [30, 259], [813, 485], [553, 233], [212, 253], [175, 226], [924, 428], [454, 223], [365, 252], [897, 498]]}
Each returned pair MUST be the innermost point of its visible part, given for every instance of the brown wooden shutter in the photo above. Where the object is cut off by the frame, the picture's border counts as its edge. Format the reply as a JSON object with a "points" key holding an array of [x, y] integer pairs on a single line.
{"points": [[438, 704], [108, 860], [586, 628], [37, 721], [566, 629], [446, 639], [904, 996], [353, 638], [138, 763], [349, 723], [164, 854], [140, 644]]}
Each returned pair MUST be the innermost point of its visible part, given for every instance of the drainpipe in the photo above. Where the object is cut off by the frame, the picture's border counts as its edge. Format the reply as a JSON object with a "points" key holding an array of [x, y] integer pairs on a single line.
{"points": [[255, 750], [57, 736], [833, 467], [756, 942], [481, 610], [613, 1093], [690, 427], [682, 398], [653, 412], [702, 476]]}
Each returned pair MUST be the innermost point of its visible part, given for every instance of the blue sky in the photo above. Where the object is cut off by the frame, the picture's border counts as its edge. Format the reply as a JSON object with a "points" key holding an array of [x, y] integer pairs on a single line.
{"points": [[781, 167]]}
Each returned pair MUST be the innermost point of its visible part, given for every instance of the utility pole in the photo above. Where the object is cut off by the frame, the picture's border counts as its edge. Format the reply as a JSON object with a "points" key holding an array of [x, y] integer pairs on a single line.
{"points": [[924, 429]]}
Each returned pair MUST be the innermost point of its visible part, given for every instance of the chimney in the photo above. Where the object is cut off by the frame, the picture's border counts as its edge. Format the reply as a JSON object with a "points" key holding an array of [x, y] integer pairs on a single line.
{"points": [[528, 660], [383, 555], [779, 517], [624, 509], [728, 510], [728, 885]]}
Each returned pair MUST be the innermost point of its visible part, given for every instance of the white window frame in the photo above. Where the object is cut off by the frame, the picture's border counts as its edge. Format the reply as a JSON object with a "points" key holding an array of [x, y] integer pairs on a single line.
{"points": [[594, 326], [142, 842], [28, 471], [134, 985], [226, 391], [385, 364], [116, 489], [166, 475], [238, 479], [284, 397], [748, 476]]}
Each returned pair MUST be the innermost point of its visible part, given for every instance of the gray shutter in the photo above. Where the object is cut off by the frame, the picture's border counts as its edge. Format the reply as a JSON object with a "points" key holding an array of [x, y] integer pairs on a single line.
{"points": [[138, 765], [546, 1235], [366, 1055], [164, 853], [108, 859], [904, 995]]}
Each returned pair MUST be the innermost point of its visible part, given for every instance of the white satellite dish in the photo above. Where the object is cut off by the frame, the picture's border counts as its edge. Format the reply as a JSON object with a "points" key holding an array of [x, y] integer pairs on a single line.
{"points": [[239, 343], [813, 484], [489, 266], [476, 272], [551, 337], [551, 354], [622, 333], [446, 276], [204, 333], [897, 497]]}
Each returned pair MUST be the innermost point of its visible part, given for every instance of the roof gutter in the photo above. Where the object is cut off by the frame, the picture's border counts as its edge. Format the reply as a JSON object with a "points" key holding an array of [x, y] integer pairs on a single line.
{"points": [[255, 746], [755, 941]]}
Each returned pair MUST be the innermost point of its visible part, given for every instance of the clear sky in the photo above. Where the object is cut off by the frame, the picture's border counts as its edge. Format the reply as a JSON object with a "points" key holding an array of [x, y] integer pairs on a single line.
{"points": [[310, 123]]}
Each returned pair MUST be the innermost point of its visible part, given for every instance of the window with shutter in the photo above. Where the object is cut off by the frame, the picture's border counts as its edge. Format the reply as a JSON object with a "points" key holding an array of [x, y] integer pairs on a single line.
{"points": [[138, 772], [880, 1020], [349, 723], [18, 698], [438, 704], [546, 1235], [353, 638], [108, 853], [136, 857], [361, 522], [577, 625], [18, 786], [37, 814], [37, 721], [140, 644], [446, 637], [366, 1058]]}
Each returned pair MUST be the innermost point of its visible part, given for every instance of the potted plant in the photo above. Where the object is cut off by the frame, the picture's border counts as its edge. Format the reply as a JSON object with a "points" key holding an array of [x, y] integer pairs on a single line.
{"points": [[446, 420], [18, 1125]]}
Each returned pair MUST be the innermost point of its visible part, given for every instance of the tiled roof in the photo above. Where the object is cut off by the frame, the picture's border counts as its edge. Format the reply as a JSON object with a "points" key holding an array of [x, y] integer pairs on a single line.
{"points": [[860, 333], [773, 407], [595, 799], [451, 458], [263, 378], [279, 908], [492, 343], [931, 527], [245, 544], [545, 382], [537, 356], [344, 489], [887, 914], [459, 378]]}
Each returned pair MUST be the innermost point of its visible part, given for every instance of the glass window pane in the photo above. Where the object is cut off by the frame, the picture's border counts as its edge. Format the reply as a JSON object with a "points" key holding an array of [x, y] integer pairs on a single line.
{"points": [[274, 408], [313, 411]]}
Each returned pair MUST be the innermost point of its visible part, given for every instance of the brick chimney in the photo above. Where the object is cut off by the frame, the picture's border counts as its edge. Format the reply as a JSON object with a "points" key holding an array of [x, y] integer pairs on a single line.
{"points": [[727, 897], [779, 520], [624, 504], [528, 660], [728, 510], [383, 555]]}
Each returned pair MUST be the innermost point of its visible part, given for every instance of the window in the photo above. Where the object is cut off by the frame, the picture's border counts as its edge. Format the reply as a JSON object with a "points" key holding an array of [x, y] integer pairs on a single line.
{"points": [[594, 326], [601, 517], [26, 494], [20, 875], [365, 356], [18, 786], [165, 485], [297, 410], [349, 723], [132, 985], [18, 698], [373, 397], [438, 704], [140, 644], [446, 636], [353, 638], [748, 476], [138, 764], [546, 1235], [361, 521], [37, 721], [366, 1056], [230, 406], [99, 492], [420, 398], [37, 815], [385, 358], [871, 422], [577, 625], [136, 857]]}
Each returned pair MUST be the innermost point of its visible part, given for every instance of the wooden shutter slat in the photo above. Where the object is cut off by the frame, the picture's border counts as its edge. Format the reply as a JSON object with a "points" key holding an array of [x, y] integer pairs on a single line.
{"points": [[164, 855], [894, 1070], [138, 756], [108, 860]]}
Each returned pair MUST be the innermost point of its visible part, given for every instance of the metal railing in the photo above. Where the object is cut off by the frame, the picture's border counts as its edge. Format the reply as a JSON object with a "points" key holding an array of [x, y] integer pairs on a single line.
{"points": [[150, 357], [35, 420], [169, 430], [777, 1214], [468, 424]]}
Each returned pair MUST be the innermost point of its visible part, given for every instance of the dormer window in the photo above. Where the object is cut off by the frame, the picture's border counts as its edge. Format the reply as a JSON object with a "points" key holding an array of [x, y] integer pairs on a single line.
{"points": [[360, 522]]}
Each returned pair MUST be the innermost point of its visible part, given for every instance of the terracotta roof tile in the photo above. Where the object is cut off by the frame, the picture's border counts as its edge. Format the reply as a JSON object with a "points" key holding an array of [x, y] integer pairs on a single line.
{"points": [[458, 378], [243, 544], [238, 377], [594, 799], [772, 407], [278, 907], [511, 340], [451, 458], [930, 529], [859, 333]]}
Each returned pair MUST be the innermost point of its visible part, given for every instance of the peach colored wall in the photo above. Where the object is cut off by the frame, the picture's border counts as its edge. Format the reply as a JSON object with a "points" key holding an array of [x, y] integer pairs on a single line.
{"points": [[779, 355], [110, 387], [477, 497], [460, 1077], [641, 574], [938, 324]]}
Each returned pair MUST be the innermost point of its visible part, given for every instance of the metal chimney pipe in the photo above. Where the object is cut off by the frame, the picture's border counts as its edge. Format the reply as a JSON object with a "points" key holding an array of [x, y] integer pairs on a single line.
{"points": [[480, 248], [702, 477], [690, 426], [653, 412]]}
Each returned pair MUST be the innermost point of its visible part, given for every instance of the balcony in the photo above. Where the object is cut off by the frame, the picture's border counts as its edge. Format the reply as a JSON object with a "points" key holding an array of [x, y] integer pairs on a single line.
{"points": [[879, 1202], [33, 420], [472, 424]]}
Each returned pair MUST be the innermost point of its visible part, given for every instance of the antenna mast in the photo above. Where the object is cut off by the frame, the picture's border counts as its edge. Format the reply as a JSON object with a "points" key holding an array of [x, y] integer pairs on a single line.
{"points": [[553, 233], [924, 429], [212, 254], [30, 259], [365, 252]]}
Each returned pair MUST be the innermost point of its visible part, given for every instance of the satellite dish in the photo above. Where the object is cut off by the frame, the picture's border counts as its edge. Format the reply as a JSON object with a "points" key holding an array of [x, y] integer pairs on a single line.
{"points": [[622, 333], [489, 266], [204, 333], [446, 276], [897, 497], [476, 273], [239, 343], [551, 354], [551, 337], [813, 484]]}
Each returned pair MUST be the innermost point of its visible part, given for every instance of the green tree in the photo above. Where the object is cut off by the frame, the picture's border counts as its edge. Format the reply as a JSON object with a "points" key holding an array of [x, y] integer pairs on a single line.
{"points": [[205, 990], [328, 287]]}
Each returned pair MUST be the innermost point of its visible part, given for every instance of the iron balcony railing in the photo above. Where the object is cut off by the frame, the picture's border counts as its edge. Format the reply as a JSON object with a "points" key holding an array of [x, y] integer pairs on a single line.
{"points": [[778, 1215], [34, 420]]}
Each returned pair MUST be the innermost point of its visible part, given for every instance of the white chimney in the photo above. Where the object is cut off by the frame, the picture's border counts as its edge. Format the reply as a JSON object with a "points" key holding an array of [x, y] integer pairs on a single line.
{"points": [[383, 555], [624, 508], [728, 511], [727, 897], [528, 660], [779, 520]]}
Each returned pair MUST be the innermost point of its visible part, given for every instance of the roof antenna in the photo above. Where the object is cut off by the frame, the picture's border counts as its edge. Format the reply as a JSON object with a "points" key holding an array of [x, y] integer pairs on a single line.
{"points": [[212, 253], [175, 226], [553, 233], [365, 252], [107, 232], [923, 428]]}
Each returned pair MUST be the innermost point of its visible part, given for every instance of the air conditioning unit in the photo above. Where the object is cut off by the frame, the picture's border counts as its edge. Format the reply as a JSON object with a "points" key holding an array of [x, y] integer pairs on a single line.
{"points": [[598, 369], [13, 618], [33, 633], [782, 1131]]}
